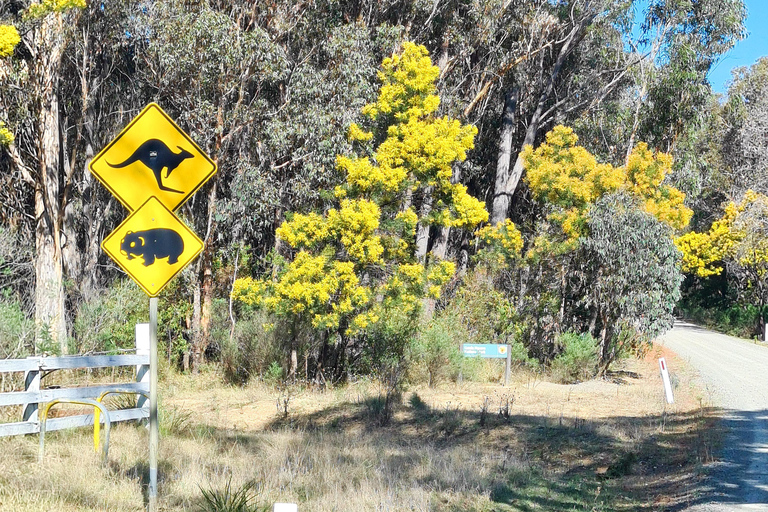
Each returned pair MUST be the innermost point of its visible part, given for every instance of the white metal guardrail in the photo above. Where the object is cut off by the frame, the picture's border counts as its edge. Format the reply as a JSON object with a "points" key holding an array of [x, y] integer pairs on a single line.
{"points": [[35, 394]]}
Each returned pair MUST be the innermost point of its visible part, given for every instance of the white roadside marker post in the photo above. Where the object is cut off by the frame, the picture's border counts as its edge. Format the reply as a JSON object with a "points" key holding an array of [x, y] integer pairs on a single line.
{"points": [[665, 378]]}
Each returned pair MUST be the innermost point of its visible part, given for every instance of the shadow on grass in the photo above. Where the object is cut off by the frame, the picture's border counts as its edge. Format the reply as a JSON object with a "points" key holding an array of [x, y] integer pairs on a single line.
{"points": [[522, 462]]}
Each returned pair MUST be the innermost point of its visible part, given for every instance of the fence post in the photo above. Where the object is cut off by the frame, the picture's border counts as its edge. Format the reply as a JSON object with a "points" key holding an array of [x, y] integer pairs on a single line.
{"points": [[31, 383], [142, 370]]}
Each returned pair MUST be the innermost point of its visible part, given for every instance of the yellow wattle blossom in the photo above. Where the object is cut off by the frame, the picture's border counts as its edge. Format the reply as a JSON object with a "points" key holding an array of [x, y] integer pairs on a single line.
{"points": [[9, 38], [570, 179], [358, 134], [727, 238], [504, 239], [408, 85], [41, 9], [6, 136]]}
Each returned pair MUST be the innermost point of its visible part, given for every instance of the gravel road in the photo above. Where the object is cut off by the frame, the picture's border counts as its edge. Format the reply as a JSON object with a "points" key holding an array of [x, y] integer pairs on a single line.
{"points": [[735, 373]]}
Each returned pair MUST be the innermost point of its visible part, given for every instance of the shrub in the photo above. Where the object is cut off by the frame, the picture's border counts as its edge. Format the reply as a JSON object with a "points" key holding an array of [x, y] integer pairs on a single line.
{"points": [[17, 332], [106, 321], [252, 348], [436, 351], [577, 361]]}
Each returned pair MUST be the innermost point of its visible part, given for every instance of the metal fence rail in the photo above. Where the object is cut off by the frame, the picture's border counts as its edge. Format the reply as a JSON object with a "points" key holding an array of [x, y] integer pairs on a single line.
{"points": [[35, 395]]}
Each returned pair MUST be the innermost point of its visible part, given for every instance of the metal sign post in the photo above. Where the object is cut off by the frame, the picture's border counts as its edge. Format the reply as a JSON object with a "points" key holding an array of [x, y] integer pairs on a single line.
{"points": [[152, 245], [154, 428]]}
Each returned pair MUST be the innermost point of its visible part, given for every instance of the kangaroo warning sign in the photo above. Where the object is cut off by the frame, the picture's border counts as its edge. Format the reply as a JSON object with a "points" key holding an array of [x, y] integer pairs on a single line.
{"points": [[152, 157], [152, 167], [152, 245]]}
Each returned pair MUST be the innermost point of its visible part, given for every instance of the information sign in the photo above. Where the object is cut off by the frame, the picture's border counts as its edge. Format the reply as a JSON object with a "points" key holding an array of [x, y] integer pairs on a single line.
{"points": [[485, 350]]}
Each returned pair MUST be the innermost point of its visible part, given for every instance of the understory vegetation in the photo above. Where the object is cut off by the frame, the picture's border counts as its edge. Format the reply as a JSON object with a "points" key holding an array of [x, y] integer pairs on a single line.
{"points": [[469, 447], [395, 179]]}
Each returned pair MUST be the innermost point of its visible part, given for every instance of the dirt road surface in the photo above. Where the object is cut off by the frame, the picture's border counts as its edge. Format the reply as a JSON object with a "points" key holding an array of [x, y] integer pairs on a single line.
{"points": [[735, 374]]}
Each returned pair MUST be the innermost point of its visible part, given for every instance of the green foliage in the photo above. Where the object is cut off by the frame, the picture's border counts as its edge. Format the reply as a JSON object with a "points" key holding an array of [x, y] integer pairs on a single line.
{"points": [[106, 321], [741, 320], [387, 342], [17, 331], [231, 500], [436, 350], [578, 360], [635, 276], [274, 373]]}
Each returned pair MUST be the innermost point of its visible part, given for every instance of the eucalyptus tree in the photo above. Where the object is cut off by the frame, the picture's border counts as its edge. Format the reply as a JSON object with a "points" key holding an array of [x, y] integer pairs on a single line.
{"points": [[31, 108], [745, 119]]}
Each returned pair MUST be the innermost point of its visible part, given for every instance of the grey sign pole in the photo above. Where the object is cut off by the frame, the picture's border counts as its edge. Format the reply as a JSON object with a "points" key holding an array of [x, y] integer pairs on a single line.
{"points": [[508, 369], [154, 432]]}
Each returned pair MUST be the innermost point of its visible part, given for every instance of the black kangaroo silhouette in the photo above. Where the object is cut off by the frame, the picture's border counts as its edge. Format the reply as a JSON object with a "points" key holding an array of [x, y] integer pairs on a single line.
{"points": [[156, 155]]}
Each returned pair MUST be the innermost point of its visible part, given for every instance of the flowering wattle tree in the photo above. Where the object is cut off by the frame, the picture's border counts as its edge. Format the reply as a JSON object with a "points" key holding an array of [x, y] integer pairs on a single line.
{"points": [[737, 242], [600, 259], [569, 180], [355, 262]]}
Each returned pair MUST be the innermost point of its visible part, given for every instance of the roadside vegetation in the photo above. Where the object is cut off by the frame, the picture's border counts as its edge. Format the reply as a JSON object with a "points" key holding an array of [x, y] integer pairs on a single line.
{"points": [[395, 179], [603, 445]]}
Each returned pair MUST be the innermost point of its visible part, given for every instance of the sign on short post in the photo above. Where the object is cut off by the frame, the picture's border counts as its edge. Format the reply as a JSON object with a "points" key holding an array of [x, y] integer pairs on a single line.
{"points": [[285, 507], [490, 351], [665, 378]]}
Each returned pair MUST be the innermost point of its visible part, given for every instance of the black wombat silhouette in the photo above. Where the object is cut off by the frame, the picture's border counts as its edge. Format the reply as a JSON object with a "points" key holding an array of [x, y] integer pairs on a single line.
{"points": [[155, 155], [152, 244]]}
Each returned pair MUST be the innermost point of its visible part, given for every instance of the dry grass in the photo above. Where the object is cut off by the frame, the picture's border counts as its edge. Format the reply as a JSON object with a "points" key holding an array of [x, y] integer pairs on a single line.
{"points": [[600, 445]]}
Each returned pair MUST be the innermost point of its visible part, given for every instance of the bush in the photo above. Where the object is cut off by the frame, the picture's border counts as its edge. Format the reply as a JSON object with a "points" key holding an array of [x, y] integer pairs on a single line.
{"points": [[17, 332], [385, 343], [106, 321], [436, 351], [738, 320], [252, 348], [577, 361]]}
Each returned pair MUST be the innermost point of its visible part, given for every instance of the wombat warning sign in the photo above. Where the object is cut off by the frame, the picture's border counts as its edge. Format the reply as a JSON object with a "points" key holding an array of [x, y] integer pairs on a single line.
{"points": [[152, 245]]}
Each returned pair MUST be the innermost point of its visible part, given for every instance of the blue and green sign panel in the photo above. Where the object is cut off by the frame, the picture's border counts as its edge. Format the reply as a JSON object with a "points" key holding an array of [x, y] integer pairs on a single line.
{"points": [[485, 350]]}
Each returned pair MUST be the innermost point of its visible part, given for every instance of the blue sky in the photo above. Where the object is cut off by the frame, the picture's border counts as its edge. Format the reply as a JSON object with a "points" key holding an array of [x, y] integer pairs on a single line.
{"points": [[747, 51]]}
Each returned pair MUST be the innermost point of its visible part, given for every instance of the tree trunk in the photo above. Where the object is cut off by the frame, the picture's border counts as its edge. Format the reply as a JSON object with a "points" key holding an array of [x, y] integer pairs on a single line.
{"points": [[502, 195], [50, 318], [506, 181], [422, 231], [196, 315]]}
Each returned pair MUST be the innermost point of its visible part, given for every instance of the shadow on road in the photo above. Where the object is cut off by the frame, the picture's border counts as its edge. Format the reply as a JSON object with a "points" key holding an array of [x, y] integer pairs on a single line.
{"points": [[743, 478]]}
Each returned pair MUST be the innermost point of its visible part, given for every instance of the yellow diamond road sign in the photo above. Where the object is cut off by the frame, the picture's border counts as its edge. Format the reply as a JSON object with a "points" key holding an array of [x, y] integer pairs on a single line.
{"points": [[152, 156], [152, 245]]}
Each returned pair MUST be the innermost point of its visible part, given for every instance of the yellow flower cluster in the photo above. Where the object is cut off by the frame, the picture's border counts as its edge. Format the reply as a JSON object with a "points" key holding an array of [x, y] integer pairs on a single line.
{"points": [[358, 134], [504, 239], [408, 85], [353, 225], [645, 175], [569, 178], [41, 9], [9, 38], [365, 177], [6, 136], [704, 253]]}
